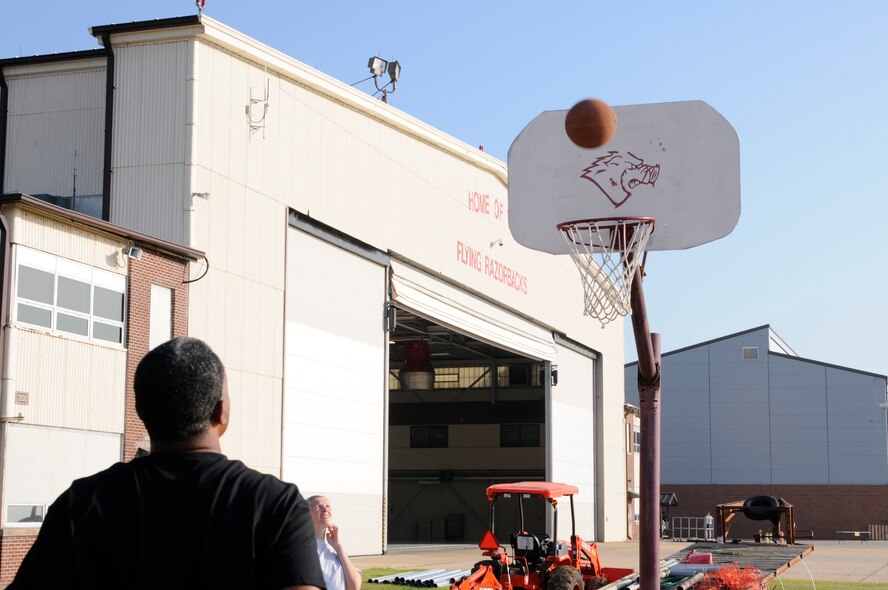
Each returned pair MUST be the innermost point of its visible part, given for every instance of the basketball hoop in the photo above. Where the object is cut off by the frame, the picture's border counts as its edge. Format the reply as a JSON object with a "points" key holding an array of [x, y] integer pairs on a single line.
{"points": [[607, 252]]}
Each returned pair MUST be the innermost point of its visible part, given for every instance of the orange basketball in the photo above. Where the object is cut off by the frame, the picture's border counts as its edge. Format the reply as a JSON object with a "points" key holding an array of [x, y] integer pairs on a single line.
{"points": [[590, 123]]}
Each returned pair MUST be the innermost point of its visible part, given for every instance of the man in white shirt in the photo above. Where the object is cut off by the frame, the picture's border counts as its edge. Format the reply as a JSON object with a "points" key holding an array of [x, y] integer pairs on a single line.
{"points": [[339, 573]]}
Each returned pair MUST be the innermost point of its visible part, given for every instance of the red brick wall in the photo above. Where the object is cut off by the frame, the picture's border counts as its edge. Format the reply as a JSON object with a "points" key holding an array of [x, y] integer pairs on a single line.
{"points": [[152, 269], [12, 552], [824, 509]]}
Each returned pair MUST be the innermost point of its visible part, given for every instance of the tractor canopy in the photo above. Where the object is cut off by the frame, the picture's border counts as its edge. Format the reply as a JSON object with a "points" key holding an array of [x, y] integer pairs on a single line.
{"points": [[544, 489]]}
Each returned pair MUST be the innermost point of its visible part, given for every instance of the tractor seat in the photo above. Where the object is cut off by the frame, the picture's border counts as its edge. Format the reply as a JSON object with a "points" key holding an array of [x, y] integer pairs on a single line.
{"points": [[527, 546]]}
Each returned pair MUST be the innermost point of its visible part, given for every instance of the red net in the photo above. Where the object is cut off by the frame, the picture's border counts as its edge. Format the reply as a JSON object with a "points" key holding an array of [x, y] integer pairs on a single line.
{"points": [[733, 577]]}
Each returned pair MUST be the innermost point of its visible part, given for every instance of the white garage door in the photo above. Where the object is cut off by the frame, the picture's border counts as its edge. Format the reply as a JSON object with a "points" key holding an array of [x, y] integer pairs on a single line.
{"points": [[335, 384]]}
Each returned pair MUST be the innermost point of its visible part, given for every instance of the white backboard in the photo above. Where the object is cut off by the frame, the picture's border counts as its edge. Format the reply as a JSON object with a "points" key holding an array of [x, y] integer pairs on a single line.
{"points": [[678, 162]]}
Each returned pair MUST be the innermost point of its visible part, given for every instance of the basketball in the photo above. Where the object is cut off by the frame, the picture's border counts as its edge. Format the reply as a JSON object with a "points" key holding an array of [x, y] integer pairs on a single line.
{"points": [[590, 123]]}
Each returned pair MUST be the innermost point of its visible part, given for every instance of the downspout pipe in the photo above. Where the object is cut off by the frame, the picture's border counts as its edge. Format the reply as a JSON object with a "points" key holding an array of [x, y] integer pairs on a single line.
{"points": [[109, 127], [4, 108], [7, 341]]}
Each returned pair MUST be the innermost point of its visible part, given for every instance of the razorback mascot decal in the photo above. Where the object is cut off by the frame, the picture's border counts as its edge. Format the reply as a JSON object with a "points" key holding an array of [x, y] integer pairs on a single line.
{"points": [[618, 174]]}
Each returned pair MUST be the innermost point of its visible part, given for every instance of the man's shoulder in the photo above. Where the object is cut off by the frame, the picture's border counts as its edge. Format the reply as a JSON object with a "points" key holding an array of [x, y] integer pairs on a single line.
{"points": [[211, 467]]}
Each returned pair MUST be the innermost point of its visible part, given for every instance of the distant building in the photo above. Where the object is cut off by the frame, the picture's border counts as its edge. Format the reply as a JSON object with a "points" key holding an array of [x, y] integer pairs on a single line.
{"points": [[743, 415]]}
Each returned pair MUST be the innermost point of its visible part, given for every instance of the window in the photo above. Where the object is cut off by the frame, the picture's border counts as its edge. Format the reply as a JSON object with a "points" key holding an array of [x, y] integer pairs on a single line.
{"points": [[519, 435], [24, 515], [160, 327], [67, 297], [636, 446], [428, 437]]}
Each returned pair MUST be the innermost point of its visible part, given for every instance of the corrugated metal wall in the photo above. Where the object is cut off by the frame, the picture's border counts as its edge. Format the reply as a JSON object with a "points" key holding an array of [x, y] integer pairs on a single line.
{"points": [[775, 419], [858, 449], [68, 241], [150, 113], [52, 116], [71, 384]]}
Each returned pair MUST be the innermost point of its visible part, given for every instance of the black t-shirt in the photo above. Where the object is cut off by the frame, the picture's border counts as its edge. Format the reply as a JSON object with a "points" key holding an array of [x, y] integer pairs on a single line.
{"points": [[175, 520]]}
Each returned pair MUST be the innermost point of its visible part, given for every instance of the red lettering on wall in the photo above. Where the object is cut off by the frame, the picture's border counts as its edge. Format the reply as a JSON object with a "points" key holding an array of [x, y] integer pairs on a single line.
{"points": [[468, 256], [491, 267], [479, 203]]}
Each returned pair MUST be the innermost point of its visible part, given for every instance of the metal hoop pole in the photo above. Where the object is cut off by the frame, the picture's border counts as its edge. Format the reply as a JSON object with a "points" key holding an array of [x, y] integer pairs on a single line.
{"points": [[648, 347]]}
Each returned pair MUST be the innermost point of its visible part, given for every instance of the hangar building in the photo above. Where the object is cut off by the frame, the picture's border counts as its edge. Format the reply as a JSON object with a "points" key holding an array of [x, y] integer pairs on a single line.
{"points": [[387, 342]]}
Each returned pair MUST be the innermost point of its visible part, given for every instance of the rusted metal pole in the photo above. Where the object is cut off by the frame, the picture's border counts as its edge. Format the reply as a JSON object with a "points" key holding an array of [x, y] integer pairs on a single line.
{"points": [[648, 347]]}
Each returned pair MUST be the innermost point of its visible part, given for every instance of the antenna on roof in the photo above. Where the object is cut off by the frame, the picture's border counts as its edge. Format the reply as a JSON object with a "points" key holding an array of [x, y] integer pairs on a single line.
{"points": [[201, 4]]}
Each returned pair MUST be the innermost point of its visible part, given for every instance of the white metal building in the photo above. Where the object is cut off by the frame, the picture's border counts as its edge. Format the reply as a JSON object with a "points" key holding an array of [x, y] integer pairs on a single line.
{"points": [[335, 228]]}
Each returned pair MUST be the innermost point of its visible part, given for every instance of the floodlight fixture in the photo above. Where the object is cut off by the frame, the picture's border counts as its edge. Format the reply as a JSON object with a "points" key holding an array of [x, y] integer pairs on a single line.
{"points": [[394, 71], [377, 66]]}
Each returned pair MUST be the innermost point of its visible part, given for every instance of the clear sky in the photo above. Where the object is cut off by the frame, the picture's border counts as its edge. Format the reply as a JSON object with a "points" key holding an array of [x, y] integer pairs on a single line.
{"points": [[805, 84]]}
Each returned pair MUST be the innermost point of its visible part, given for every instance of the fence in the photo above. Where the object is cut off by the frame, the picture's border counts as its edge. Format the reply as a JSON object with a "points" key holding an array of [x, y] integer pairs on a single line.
{"points": [[692, 527], [878, 532]]}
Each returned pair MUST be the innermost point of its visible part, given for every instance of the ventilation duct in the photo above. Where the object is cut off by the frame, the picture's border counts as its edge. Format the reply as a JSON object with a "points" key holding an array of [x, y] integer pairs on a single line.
{"points": [[417, 372]]}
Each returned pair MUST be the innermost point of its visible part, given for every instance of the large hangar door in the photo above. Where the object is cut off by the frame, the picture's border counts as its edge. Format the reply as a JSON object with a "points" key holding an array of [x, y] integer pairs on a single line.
{"points": [[470, 412], [334, 403], [572, 435]]}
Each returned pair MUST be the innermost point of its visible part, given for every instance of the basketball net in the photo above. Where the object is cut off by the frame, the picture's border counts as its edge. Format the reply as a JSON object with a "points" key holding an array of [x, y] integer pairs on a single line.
{"points": [[607, 253]]}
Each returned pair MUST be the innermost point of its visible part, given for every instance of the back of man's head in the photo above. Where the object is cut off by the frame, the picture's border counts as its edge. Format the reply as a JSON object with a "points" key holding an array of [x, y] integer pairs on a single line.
{"points": [[177, 386]]}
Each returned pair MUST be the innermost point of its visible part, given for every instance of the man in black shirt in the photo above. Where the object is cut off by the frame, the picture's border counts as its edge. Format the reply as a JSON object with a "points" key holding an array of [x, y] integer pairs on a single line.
{"points": [[184, 516]]}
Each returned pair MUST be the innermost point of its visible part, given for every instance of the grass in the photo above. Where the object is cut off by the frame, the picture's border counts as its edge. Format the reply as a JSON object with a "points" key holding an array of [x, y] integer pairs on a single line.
{"points": [[825, 585]]}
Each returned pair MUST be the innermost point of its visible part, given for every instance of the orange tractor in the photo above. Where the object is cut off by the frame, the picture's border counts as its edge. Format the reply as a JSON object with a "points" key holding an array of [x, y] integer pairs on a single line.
{"points": [[537, 561]]}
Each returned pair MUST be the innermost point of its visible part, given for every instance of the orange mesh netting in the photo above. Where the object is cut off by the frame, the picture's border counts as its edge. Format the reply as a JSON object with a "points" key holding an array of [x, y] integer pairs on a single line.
{"points": [[732, 577]]}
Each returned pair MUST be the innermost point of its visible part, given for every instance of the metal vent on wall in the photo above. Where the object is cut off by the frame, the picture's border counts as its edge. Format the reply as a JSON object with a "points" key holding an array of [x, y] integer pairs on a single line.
{"points": [[750, 353]]}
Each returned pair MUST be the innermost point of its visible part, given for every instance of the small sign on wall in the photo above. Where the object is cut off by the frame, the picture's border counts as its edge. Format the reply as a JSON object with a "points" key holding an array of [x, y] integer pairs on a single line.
{"points": [[21, 398]]}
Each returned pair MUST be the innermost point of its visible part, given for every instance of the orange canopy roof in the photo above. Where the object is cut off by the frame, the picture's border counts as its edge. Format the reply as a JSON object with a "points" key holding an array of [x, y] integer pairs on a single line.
{"points": [[545, 489]]}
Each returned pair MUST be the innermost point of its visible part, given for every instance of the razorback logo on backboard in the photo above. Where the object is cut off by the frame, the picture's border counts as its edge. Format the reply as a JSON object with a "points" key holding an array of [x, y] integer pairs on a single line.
{"points": [[618, 174]]}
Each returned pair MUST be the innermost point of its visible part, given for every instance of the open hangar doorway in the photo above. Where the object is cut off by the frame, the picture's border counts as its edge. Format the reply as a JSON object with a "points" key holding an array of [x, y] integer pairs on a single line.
{"points": [[463, 414]]}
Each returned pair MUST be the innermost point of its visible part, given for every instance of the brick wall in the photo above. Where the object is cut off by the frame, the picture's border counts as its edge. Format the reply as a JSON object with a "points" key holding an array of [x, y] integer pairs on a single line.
{"points": [[12, 551], [152, 269], [824, 509]]}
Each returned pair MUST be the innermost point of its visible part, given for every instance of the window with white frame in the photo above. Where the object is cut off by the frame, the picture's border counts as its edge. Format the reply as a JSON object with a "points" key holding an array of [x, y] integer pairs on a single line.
{"points": [[636, 446], [66, 297]]}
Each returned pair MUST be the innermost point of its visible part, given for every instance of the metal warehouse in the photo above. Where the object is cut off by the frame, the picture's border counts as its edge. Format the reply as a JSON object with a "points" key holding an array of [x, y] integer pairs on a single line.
{"points": [[388, 343]]}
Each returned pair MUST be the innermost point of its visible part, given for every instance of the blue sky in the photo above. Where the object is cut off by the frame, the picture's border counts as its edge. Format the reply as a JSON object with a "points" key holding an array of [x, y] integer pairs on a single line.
{"points": [[803, 82]]}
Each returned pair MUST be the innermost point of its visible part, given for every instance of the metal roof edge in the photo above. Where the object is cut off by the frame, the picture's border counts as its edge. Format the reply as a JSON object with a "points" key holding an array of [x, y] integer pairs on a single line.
{"points": [[708, 342], [94, 223], [829, 365], [146, 25], [52, 57]]}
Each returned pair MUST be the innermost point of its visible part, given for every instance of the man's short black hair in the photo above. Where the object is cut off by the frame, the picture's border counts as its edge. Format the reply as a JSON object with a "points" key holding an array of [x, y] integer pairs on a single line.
{"points": [[177, 386]]}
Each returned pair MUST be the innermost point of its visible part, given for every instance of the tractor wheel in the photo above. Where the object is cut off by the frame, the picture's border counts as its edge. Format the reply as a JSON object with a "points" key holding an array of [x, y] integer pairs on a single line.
{"points": [[564, 577]]}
